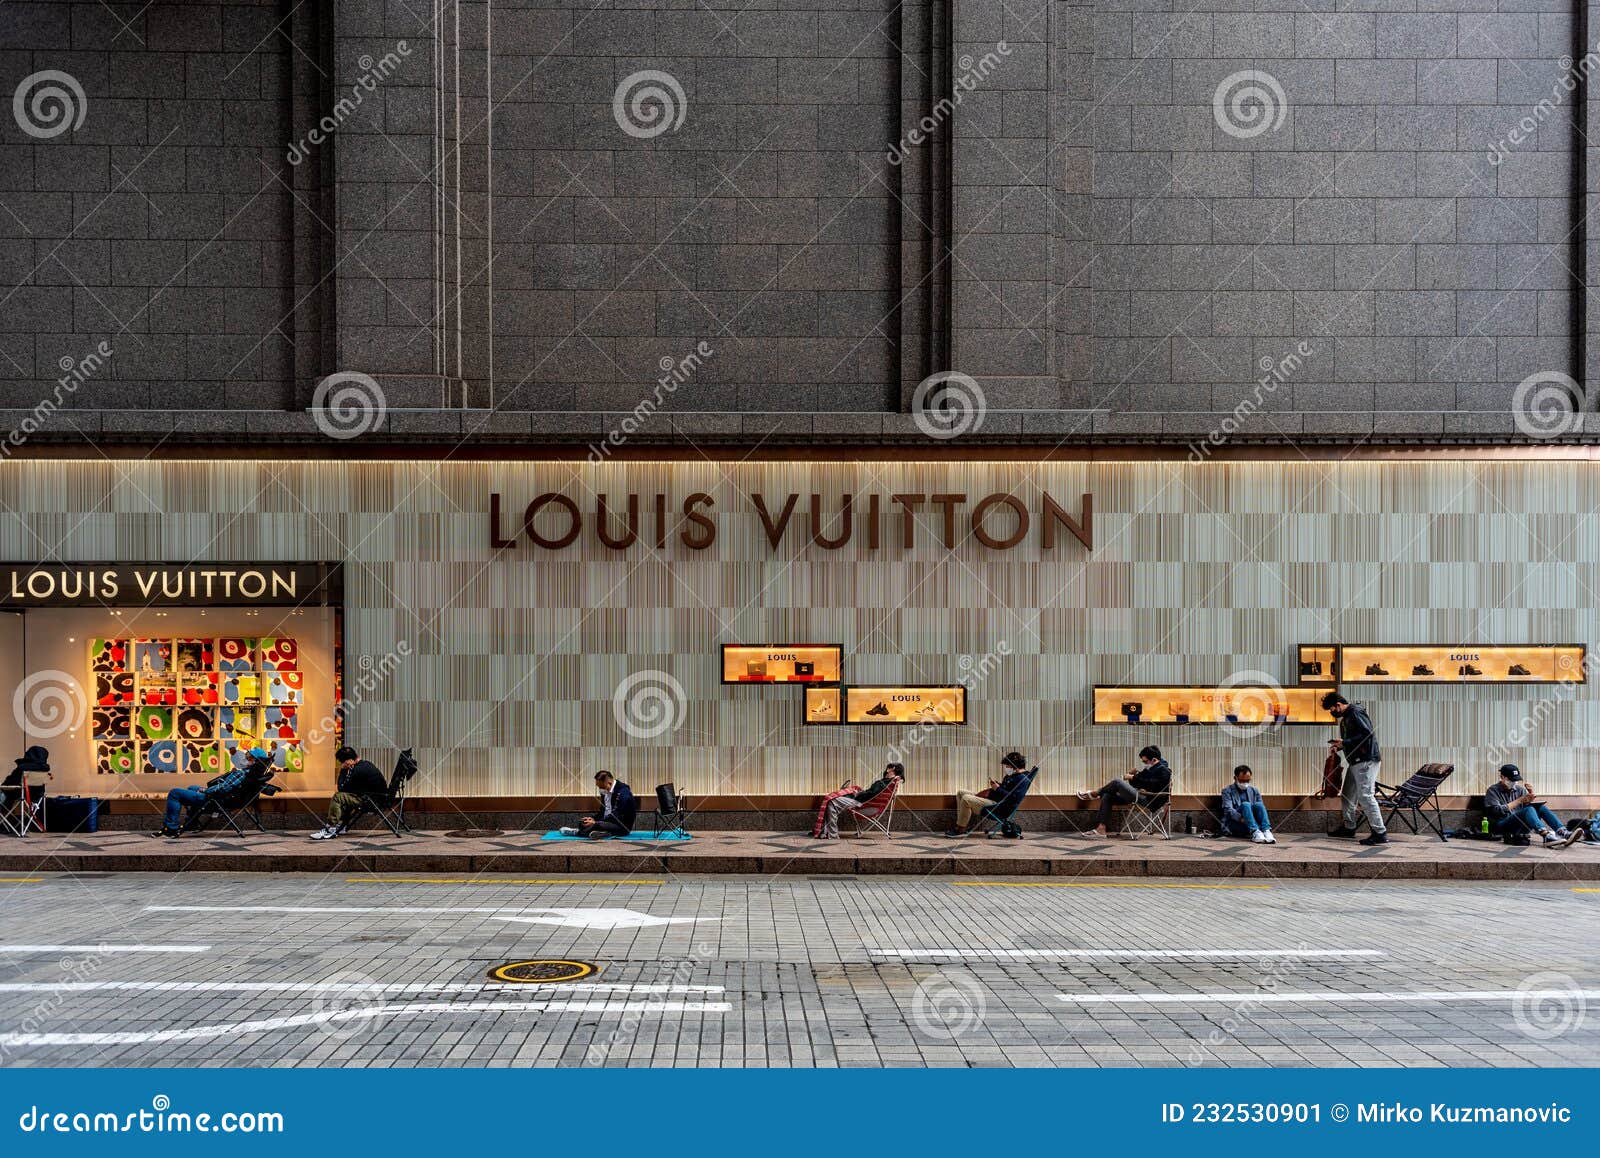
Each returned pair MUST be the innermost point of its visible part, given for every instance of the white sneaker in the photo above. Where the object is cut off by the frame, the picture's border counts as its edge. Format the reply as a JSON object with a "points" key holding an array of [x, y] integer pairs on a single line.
{"points": [[1270, 838], [323, 833], [1258, 837], [569, 831]]}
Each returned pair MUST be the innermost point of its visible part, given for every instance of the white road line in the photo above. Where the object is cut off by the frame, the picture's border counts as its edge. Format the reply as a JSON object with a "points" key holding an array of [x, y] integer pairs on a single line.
{"points": [[1122, 954], [1264, 998], [376, 988], [104, 948], [329, 1017], [564, 917]]}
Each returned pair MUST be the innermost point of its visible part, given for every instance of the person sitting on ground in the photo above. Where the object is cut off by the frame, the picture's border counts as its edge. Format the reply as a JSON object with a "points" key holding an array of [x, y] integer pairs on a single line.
{"points": [[1515, 810], [356, 777], [34, 761], [618, 810], [257, 764], [970, 805], [1244, 813], [851, 797], [1154, 777]]}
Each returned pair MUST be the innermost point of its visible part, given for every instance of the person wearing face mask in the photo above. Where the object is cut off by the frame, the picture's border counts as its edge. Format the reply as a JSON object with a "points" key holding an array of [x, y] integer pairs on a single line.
{"points": [[1515, 810], [1244, 813]]}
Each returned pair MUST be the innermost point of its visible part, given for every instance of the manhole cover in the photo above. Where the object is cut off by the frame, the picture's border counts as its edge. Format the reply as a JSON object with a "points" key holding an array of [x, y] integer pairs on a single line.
{"points": [[542, 972], [475, 833]]}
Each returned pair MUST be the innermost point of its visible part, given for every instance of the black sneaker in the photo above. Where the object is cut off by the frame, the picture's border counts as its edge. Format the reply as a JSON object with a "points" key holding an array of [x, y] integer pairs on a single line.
{"points": [[1422, 669], [1343, 833], [1376, 838], [1517, 669], [1376, 669], [164, 831], [882, 709], [957, 832], [1468, 670]]}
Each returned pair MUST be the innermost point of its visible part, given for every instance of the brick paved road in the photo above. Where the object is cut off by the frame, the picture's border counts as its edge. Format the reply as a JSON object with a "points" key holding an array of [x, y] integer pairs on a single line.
{"points": [[312, 970]]}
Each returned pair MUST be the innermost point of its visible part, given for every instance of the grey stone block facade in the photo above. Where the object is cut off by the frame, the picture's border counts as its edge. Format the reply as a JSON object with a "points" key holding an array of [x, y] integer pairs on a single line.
{"points": [[1119, 217]]}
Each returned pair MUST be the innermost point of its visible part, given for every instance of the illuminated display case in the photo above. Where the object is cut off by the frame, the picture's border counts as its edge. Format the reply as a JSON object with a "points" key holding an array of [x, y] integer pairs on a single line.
{"points": [[782, 663], [1461, 664], [906, 705], [1245, 706], [1319, 664], [824, 706], [186, 705]]}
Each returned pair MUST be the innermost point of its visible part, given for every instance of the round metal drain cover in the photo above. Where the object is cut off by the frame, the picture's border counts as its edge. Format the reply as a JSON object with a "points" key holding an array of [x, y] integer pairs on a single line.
{"points": [[475, 833], [542, 972]]}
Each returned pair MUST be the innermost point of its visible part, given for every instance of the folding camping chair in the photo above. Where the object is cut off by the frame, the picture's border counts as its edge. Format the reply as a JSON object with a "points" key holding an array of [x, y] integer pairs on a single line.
{"points": [[1417, 796], [389, 806], [1150, 812], [672, 811], [231, 807], [27, 811], [877, 814], [996, 819]]}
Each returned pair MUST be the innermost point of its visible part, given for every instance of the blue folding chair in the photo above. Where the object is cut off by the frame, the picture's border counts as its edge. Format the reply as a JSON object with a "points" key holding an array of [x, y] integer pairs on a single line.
{"points": [[996, 819]]}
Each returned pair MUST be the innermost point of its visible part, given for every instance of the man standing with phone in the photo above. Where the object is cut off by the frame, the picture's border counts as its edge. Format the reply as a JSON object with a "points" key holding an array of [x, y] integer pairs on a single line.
{"points": [[1363, 761]]}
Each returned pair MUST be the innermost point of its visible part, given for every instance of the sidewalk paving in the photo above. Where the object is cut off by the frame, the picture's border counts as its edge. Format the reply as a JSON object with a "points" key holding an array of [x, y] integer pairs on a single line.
{"points": [[1057, 855]]}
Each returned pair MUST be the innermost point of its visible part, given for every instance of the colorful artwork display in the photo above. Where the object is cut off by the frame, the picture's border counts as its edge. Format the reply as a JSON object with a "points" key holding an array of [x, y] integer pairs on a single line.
{"points": [[189, 705]]}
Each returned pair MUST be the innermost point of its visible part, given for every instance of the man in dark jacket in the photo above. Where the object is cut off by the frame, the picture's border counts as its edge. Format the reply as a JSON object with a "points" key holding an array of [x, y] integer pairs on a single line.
{"points": [[893, 776], [356, 776], [970, 805], [618, 810], [257, 765], [1153, 777], [1363, 763], [1515, 810]]}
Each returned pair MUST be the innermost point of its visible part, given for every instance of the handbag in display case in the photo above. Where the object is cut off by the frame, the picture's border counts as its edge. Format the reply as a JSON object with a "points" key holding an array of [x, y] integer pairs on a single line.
{"points": [[1311, 667], [1179, 710], [1132, 709], [755, 667], [805, 667]]}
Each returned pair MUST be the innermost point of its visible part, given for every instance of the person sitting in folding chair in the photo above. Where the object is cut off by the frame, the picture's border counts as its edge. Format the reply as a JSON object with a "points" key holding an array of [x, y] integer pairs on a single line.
{"points": [[1154, 778], [23, 790], [970, 805], [1515, 810], [357, 778], [893, 774], [257, 764], [619, 808]]}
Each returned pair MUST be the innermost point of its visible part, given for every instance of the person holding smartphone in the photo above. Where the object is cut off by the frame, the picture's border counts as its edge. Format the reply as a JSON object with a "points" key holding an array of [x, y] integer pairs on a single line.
{"points": [[1515, 810], [970, 805]]}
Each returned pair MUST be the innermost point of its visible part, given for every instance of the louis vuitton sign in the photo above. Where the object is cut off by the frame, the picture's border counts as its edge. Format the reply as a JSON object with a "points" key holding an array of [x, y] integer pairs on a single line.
{"points": [[167, 585], [998, 521]]}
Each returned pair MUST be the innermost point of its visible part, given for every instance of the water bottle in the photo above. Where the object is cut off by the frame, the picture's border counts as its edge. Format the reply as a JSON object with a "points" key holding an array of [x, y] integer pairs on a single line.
{"points": [[1483, 826]]}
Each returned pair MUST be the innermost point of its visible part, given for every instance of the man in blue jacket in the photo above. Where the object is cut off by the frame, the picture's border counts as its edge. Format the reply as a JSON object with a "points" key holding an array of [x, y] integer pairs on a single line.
{"points": [[618, 809], [970, 805], [1244, 813]]}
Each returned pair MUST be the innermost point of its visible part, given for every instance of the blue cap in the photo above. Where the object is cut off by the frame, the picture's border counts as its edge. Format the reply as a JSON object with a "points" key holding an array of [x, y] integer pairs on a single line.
{"points": [[260, 753]]}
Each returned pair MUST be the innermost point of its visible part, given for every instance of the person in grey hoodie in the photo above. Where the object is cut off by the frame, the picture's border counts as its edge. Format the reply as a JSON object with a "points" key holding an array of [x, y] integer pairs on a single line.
{"points": [[1244, 813], [1514, 810], [1362, 765]]}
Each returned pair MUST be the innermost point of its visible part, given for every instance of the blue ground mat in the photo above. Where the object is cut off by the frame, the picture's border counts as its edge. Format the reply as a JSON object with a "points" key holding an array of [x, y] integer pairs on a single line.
{"points": [[673, 834]]}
